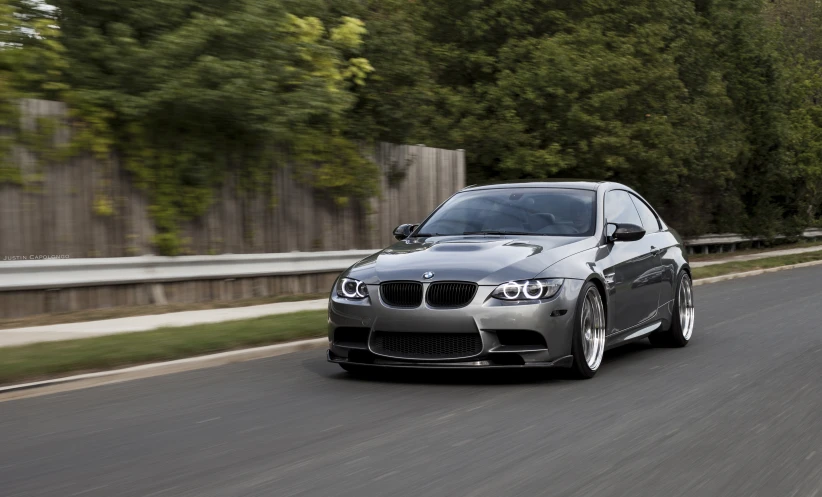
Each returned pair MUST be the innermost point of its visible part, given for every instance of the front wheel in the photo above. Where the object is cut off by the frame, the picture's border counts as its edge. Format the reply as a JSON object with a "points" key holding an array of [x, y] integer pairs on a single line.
{"points": [[682, 319], [588, 341]]}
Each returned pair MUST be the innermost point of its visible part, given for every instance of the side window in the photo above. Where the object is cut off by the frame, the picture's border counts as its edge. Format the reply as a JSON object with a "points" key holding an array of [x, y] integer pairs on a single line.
{"points": [[619, 208], [649, 219]]}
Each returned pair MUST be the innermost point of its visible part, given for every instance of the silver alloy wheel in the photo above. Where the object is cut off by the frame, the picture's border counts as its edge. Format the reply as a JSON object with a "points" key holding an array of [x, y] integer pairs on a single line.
{"points": [[686, 307], [593, 329]]}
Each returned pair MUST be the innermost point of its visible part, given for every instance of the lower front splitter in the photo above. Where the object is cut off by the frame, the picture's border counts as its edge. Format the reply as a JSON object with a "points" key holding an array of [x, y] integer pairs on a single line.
{"points": [[562, 362]]}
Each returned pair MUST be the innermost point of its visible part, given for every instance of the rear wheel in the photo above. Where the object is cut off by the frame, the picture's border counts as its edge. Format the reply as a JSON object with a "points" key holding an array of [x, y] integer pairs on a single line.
{"points": [[682, 319], [588, 341]]}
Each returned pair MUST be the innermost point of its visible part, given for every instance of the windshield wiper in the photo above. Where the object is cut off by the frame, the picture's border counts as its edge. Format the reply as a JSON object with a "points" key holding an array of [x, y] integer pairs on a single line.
{"points": [[493, 232], [419, 235]]}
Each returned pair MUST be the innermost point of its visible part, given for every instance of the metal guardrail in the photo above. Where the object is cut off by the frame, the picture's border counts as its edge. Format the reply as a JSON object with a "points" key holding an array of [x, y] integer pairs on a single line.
{"points": [[67, 273], [729, 238], [51, 274], [733, 239]]}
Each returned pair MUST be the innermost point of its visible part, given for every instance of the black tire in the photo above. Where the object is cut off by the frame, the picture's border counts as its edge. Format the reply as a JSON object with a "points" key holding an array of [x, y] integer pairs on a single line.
{"points": [[675, 336], [580, 368]]}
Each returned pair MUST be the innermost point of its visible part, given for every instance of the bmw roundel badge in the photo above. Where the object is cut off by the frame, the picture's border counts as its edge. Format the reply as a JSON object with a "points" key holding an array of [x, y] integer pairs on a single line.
{"points": [[428, 275]]}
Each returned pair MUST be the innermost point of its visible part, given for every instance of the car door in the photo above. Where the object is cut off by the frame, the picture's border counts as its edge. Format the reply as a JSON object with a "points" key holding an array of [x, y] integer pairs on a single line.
{"points": [[629, 268], [661, 241]]}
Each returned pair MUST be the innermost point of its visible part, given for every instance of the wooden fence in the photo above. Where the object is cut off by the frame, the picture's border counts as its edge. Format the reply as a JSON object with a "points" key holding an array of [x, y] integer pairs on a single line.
{"points": [[56, 214]]}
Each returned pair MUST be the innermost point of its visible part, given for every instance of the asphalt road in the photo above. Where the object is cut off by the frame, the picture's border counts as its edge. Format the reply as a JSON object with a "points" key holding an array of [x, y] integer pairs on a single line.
{"points": [[736, 413]]}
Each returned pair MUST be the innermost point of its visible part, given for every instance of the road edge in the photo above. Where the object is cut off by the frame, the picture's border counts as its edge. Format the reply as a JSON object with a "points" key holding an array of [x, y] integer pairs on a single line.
{"points": [[88, 380], [756, 272]]}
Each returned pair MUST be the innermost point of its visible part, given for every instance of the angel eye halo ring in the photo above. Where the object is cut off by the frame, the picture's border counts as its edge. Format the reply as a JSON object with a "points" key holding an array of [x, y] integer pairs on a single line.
{"points": [[528, 290], [350, 288]]}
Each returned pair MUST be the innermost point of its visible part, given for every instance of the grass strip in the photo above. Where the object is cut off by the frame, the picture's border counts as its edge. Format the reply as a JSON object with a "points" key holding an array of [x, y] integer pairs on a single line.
{"points": [[51, 359], [743, 266]]}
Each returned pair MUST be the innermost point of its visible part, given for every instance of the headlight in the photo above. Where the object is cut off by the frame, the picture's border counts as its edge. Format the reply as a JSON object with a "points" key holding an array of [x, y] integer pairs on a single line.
{"points": [[351, 289], [527, 289]]}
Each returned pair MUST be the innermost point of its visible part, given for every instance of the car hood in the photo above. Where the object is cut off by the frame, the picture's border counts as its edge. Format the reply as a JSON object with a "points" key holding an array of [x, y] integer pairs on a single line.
{"points": [[487, 260]]}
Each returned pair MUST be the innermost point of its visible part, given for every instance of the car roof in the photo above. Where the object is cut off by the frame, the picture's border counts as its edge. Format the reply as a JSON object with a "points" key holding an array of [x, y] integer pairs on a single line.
{"points": [[573, 184]]}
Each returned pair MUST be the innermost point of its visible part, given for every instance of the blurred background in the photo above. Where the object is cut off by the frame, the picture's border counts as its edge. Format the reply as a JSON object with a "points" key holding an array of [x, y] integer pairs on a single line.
{"points": [[189, 127], [232, 157]]}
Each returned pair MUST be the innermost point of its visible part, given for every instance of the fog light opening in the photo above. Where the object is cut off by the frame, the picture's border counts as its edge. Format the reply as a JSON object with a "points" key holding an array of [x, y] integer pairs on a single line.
{"points": [[508, 359], [521, 338]]}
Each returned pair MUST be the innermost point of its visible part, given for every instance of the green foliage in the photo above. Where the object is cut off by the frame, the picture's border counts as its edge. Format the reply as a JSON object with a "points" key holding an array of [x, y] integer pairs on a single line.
{"points": [[388, 107], [800, 49], [677, 99], [32, 57], [29, 66], [9, 119], [103, 206], [711, 109], [188, 92], [692, 103]]}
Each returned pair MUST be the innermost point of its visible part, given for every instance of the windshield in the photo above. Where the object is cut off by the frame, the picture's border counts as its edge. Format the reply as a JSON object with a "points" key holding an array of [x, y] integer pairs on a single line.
{"points": [[517, 211]]}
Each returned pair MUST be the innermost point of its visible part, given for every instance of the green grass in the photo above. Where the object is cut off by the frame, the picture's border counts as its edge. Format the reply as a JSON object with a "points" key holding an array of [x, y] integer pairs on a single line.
{"points": [[742, 266], [50, 359]]}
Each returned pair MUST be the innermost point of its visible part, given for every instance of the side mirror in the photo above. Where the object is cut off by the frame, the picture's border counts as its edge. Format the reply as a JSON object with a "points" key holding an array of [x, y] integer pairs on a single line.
{"points": [[623, 232], [403, 231]]}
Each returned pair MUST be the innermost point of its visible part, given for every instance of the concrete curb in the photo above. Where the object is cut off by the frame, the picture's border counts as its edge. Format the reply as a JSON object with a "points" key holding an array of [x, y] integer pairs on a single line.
{"points": [[67, 383], [733, 276], [155, 369], [759, 256]]}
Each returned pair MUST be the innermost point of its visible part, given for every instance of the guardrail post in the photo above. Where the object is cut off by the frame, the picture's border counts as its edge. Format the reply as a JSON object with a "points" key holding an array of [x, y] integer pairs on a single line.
{"points": [[52, 300], [158, 294]]}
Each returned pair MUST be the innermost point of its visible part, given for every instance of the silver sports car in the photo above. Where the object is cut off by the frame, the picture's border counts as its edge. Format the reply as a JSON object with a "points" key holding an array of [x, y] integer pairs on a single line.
{"points": [[547, 274]]}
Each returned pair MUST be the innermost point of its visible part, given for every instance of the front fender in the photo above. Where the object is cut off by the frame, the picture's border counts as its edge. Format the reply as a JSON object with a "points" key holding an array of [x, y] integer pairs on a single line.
{"points": [[580, 267]]}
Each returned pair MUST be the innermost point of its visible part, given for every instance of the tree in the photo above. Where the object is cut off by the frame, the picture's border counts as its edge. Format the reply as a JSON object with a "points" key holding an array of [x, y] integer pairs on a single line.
{"points": [[190, 90], [31, 54], [799, 25], [606, 90], [710, 108]]}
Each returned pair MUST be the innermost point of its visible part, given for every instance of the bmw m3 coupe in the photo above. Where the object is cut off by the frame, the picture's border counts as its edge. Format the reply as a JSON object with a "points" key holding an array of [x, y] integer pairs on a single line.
{"points": [[548, 274]]}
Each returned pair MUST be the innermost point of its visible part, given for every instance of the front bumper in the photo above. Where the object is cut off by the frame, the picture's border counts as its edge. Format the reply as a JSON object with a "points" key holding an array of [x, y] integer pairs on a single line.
{"points": [[492, 319], [562, 362]]}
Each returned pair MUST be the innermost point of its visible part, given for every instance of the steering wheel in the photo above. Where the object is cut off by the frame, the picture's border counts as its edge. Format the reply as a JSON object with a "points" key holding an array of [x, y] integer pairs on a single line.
{"points": [[547, 216]]}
